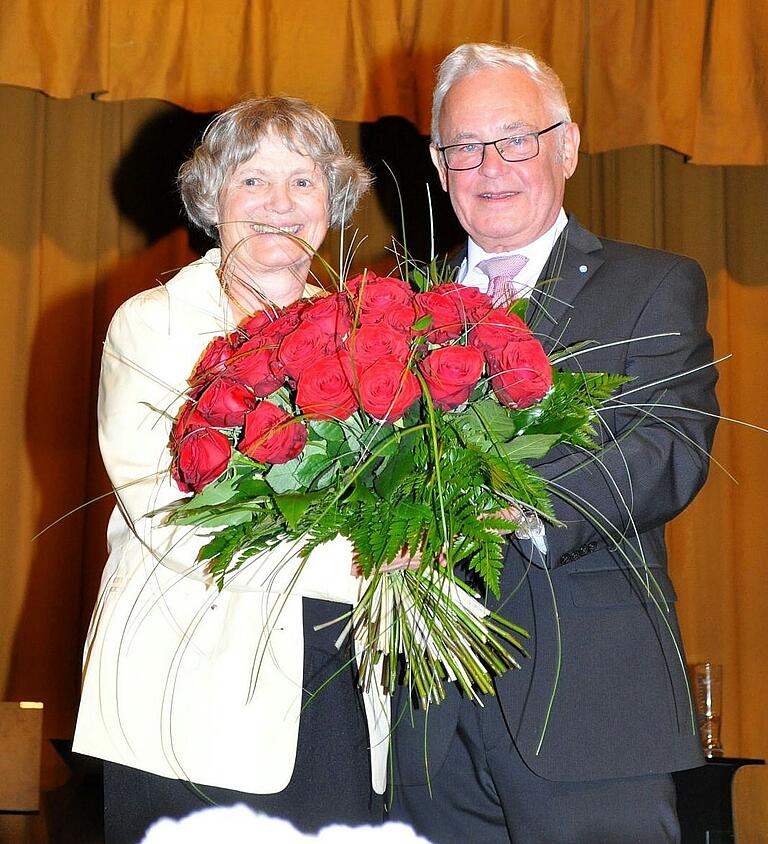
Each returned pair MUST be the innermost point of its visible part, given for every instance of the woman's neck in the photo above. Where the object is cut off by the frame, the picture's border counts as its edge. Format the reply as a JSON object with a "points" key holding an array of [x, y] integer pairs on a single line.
{"points": [[249, 292]]}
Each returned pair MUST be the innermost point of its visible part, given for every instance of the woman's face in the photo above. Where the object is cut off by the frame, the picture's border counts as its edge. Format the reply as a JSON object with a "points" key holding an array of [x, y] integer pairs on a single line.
{"points": [[277, 188]]}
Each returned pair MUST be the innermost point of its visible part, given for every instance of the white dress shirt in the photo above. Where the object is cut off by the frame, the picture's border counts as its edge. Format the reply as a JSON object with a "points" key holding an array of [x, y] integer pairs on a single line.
{"points": [[536, 252]]}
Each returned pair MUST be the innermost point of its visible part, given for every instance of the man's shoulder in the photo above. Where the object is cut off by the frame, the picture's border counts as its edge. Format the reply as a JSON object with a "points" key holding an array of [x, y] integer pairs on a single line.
{"points": [[621, 251]]}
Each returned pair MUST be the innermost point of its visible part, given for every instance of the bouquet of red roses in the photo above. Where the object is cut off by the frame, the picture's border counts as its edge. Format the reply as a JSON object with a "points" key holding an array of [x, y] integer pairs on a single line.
{"points": [[401, 419]]}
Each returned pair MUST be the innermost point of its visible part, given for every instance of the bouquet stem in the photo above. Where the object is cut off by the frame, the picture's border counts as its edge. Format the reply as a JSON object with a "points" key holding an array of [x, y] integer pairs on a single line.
{"points": [[428, 626]]}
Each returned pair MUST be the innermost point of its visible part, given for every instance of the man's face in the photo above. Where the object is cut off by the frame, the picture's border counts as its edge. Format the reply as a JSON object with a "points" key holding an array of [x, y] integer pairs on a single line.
{"points": [[505, 205]]}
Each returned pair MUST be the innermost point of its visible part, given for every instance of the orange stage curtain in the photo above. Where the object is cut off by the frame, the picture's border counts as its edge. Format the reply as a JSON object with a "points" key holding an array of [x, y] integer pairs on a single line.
{"points": [[688, 75]]}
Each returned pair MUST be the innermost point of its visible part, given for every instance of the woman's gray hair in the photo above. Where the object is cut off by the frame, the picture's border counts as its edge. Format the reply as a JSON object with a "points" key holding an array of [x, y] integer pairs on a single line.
{"points": [[234, 136], [469, 58]]}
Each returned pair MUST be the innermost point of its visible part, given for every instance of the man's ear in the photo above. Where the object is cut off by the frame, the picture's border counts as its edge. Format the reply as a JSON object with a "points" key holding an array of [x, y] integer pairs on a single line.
{"points": [[569, 149], [442, 170]]}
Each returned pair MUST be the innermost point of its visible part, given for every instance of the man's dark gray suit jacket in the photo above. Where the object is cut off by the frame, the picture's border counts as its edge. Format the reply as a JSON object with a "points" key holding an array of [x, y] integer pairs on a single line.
{"points": [[604, 692]]}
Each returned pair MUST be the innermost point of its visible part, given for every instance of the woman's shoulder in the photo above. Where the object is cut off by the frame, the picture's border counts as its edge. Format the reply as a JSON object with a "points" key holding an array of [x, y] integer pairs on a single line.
{"points": [[192, 294]]}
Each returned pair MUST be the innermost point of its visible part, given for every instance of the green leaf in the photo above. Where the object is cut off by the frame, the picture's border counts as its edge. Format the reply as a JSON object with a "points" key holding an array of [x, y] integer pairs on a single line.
{"points": [[312, 448], [422, 323], [254, 488], [215, 493], [282, 477], [519, 308], [529, 446], [328, 430], [293, 507], [225, 518], [397, 467], [360, 492], [311, 468]]}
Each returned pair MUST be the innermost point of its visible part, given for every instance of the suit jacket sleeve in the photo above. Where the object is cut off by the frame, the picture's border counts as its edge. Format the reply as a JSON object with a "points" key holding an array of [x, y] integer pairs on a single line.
{"points": [[657, 436]]}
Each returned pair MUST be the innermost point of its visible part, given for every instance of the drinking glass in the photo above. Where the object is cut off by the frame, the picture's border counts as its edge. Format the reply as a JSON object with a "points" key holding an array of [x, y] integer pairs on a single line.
{"points": [[708, 697]]}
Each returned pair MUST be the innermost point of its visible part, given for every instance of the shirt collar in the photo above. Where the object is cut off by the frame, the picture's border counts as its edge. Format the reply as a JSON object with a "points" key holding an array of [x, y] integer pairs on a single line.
{"points": [[537, 253]]}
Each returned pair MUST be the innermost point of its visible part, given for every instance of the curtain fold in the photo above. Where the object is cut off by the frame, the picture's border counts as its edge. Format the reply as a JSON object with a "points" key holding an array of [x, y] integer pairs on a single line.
{"points": [[690, 75]]}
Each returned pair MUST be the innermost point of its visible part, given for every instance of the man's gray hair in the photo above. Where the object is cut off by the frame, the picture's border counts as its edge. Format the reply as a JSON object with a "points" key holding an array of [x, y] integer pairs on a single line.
{"points": [[234, 136], [470, 58]]}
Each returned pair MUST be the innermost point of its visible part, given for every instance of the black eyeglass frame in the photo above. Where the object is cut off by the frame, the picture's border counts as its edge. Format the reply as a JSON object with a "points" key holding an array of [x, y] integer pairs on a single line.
{"points": [[485, 144]]}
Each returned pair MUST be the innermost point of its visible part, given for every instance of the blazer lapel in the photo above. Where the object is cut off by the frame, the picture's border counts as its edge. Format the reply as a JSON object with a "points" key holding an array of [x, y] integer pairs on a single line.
{"points": [[574, 259]]}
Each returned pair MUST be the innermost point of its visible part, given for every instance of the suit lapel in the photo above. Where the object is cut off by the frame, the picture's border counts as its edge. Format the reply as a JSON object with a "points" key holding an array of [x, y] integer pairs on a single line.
{"points": [[574, 259]]}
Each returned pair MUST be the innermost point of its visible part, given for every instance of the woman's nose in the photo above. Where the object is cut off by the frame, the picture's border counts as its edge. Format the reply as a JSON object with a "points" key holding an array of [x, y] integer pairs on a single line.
{"points": [[280, 200]]}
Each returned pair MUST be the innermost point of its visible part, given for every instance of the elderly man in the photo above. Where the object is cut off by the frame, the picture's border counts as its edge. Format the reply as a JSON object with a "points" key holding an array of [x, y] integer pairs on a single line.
{"points": [[579, 744]]}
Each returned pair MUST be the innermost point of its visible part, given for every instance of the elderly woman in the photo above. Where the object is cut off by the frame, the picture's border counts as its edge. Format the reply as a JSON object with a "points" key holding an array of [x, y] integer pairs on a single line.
{"points": [[192, 696]]}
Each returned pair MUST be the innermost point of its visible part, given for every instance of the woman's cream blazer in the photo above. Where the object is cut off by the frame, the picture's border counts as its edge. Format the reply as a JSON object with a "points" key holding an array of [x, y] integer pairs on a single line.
{"points": [[179, 679]]}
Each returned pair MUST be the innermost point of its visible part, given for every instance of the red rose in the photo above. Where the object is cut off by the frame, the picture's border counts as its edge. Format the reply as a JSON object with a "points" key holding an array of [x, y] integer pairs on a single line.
{"points": [[521, 373], [213, 360], [400, 317], [331, 313], [472, 304], [254, 324], [201, 456], [187, 419], [496, 329], [253, 366], [451, 374], [387, 389], [324, 389], [302, 347], [368, 343], [447, 322], [377, 295], [271, 435], [224, 403], [276, 327]]}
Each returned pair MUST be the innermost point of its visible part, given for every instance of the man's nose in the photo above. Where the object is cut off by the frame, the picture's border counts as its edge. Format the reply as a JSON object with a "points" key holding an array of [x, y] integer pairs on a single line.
{"points": [[492, 161]]}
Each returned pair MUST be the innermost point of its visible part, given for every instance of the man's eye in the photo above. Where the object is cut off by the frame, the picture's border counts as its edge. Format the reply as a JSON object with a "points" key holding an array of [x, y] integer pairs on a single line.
{"points": [[517, 141], [251, 182], [469, 148], [303, 183]]}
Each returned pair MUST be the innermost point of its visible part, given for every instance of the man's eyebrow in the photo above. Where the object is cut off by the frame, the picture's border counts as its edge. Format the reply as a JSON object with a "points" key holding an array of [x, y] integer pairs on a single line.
{"points": [[518, 127], [464, 136]]}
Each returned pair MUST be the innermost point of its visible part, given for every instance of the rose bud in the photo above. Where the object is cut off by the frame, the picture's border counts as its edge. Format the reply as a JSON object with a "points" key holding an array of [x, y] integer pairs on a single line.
{"points": [[253, 366], [302, 347], [224, 403], [271, 435], [324, 389], [451, 374], [521, 373], [369, 343], [387, 389], [331, 313], [201, 456], [496, 329]]}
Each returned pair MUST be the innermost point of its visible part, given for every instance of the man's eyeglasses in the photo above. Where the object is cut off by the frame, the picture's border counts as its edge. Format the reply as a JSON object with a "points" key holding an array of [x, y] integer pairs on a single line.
{"points": [[469, 155]]}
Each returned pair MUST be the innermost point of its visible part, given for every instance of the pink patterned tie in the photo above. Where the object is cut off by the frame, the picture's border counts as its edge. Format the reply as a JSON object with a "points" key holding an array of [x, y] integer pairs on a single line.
{"points": [[502, 272]]}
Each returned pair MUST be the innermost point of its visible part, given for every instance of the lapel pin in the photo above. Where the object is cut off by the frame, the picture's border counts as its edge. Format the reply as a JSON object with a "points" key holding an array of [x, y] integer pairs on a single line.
{"points": [[583, 268]]}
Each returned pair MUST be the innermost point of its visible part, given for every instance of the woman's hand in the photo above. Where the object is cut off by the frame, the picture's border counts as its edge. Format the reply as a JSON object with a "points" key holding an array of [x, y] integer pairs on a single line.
{"points": [[404, 560]]}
